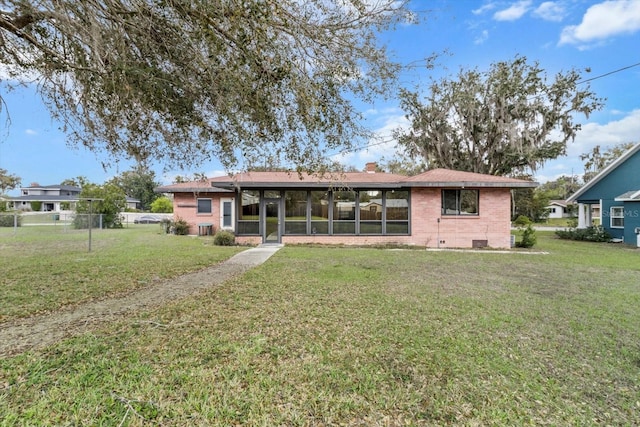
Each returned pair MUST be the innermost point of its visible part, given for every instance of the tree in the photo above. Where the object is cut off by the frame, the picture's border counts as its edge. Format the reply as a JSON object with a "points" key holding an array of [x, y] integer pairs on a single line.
{"points": [[108, 200], [530, 203], [79, 181], [8, 181], [561, 188], [508, 120], [180, 82], [138, 183], [403, 165], [596, 161], [162, 205]]}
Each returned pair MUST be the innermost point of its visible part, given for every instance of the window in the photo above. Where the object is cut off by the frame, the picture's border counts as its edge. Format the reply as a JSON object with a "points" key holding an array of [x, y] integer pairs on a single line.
{"points": [[617, 217], [249, 212], [319, 212], [204, 206], [371, 212], [460, 202], [226, 213], [322, 212], [397, 212], [295, 216], [344, 212]]}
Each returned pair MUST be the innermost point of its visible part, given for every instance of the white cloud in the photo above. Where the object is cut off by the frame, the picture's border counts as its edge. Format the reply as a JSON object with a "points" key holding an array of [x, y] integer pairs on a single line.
{"points": [[607, 135], [627, 129], [31, 132], [550, 11], [485, 8], [483, 37], [603, 21], [513, 12]]}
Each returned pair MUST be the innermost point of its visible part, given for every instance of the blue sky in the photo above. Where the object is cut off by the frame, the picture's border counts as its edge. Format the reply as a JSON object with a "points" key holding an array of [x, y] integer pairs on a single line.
{"points": [[603, 36]]}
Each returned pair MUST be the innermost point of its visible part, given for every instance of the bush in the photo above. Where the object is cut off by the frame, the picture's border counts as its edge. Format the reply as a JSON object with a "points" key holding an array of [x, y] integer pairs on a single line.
{"points": [[528, 237], [224, 238], [179, 226], [594, 233], [6, 220], [522, 221]]}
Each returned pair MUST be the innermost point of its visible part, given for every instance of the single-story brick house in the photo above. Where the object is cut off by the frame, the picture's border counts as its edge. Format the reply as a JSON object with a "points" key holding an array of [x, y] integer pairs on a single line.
{"points": [[438, 208]]}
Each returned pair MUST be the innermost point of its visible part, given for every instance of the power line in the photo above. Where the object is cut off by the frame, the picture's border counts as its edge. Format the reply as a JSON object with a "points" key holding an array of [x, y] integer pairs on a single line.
{"points": [[608, 74]]}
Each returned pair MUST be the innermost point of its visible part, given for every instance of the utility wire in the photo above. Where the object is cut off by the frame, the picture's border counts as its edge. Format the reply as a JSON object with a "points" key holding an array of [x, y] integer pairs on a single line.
{"points": [[609, 73]]}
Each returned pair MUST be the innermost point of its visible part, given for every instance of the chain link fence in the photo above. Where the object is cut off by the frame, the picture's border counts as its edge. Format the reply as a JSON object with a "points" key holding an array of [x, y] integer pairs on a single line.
{"points": [[67, 220]]}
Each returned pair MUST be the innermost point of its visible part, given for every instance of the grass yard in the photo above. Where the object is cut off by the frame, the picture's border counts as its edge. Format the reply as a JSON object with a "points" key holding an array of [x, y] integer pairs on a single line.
{"points": [[350, 336], [43, 268]]}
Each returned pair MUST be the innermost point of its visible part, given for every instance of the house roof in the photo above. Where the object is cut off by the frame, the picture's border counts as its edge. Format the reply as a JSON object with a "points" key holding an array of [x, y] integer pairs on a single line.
{"points": [[606, 171], [629, 196], [53, 187], [294, 179], [451, 178], [562, 203], [191, 187], [432, 178]]}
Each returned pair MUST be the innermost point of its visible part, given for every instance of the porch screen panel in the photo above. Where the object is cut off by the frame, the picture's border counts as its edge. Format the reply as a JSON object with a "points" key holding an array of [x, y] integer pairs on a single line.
{"points": [[344, 212], [295, 213], [249, 212], [370, 208], [319, 212], [397, 212]]}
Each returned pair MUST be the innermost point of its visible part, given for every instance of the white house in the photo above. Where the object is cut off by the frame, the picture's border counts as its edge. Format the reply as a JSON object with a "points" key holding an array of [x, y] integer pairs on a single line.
{"points": [[52, 198], [559, 209]]}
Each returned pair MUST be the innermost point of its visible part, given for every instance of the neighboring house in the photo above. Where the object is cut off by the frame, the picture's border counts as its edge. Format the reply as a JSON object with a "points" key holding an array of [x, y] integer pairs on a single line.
{"points": [[439, 208], [559, 209], [53, 198], [615, 192]]}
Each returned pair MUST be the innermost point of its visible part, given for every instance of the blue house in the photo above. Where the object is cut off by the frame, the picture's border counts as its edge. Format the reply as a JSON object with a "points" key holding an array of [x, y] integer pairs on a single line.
{"points": [[616, 192]]}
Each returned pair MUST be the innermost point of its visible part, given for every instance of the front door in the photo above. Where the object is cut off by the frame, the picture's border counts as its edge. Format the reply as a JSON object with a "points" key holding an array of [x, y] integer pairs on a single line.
{"points": [[272, 221]]}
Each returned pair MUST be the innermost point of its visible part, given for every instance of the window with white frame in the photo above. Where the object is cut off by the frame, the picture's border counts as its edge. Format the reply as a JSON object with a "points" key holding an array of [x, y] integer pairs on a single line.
{"points": [[226, 213], [616, 217], [204, 206]]}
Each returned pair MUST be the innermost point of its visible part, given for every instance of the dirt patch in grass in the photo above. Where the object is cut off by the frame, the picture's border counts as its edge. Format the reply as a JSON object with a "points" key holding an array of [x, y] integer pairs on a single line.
{"points": [[39, 331]]}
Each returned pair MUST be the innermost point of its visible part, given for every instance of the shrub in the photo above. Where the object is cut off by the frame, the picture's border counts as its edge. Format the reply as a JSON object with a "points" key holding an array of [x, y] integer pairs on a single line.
{"points": [[528, 237], [224, 238], [179, 226], [594, 233], [6, 220], [522, 221]]}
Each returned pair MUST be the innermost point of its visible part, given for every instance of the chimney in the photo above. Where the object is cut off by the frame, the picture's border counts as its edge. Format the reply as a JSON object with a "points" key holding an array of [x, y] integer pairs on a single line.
{"points": [[371, 167]]}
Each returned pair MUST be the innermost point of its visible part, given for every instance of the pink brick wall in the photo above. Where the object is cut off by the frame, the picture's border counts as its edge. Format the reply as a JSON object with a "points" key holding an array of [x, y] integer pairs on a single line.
{"points": [[492, 224], [184, 207]]}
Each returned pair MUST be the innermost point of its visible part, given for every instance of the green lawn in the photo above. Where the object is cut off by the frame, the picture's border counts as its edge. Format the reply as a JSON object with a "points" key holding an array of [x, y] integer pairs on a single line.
{"points": [[352, 336], [46, 267]]}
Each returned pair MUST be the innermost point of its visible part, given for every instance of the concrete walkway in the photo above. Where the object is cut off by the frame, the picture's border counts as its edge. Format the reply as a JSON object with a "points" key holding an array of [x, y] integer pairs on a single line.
{"points": [[40, 331]]}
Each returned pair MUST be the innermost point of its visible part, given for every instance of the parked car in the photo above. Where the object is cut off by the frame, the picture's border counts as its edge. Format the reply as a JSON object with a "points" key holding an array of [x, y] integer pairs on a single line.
{"points": [[148, 219]]}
